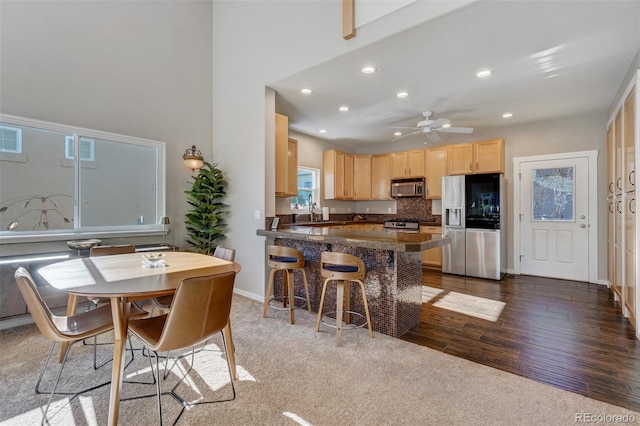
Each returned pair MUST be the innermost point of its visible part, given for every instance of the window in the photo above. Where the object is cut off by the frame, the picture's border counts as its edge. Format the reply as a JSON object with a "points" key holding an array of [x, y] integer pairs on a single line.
{"points": [[53, 195], [87, 152], [553, 194], [308, 189], [10, 139]]}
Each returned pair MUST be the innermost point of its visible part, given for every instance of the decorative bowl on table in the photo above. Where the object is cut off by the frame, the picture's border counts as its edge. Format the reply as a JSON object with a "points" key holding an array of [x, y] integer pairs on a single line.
{"points": [[83, 244], [153, 260]]}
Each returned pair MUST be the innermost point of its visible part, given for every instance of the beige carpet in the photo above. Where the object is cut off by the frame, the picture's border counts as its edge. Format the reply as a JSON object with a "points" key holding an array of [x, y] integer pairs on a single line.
{"points": [[290, 375]]}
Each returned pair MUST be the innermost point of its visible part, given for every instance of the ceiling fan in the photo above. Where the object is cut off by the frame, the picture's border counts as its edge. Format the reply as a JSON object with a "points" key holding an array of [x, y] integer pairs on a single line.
{"points": [[428, 127]]}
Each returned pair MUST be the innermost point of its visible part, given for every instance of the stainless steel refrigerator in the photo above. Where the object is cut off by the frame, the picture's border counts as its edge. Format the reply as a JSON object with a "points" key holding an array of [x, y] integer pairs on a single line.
{"points": [[474, 209]]}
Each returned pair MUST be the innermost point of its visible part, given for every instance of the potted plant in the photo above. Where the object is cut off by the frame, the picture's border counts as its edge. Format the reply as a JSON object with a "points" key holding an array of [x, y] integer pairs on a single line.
{"points": [[205, 221]]}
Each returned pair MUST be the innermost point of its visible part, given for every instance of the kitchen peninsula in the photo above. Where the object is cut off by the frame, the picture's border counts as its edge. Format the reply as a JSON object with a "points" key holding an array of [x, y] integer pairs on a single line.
{"points": [[393, 281]]}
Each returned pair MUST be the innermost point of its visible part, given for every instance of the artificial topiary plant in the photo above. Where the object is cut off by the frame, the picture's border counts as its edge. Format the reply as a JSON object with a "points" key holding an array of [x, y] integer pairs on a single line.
{"points": [[205, 221]]}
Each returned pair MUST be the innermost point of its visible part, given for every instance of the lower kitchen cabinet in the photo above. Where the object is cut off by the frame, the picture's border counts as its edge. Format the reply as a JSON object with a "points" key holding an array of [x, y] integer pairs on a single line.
{"points": [[432, 259]]}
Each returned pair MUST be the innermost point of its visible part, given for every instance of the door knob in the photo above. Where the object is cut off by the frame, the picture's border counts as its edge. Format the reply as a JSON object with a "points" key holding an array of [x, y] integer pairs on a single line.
{"points": [[582, 225]]}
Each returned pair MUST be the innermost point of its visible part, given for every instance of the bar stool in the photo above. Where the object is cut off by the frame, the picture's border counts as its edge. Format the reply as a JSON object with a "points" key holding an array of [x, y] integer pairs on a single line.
{"points": [[288, 260], [343, 268]]}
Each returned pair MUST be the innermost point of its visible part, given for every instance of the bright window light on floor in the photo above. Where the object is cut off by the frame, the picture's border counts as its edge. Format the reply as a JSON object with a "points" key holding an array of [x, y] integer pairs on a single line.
{"points": [[478, 307], [296, 418], [429, 293]]}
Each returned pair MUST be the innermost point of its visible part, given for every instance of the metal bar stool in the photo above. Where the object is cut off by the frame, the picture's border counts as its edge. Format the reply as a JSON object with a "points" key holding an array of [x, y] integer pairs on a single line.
{"points": [[343, 268], [288, 260]]}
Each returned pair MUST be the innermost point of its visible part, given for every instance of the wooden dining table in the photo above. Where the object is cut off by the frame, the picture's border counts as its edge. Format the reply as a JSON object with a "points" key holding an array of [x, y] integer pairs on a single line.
{"points": [[124, 279]]}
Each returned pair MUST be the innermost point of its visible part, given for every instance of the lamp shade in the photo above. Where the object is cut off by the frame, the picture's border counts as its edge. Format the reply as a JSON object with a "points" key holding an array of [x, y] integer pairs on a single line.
{"points": [[164, 220], [192, 158]]}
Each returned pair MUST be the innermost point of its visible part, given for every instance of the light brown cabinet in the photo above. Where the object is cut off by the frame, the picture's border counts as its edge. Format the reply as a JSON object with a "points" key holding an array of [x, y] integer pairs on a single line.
{"points": [[477, 157], [622, 221], [432, 258], [380, 177], [436, 166], [407, 163], [629, 142], [337, 172], [362, 177], [286, 182]]}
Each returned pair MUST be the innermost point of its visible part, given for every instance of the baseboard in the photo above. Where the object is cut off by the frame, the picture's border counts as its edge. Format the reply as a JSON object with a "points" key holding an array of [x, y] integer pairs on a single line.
{"points": [[251, 296]]}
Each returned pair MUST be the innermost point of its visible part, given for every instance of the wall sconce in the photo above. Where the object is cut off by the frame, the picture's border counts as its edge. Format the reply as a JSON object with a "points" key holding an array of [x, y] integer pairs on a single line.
{"points": [[164, 221], [193, 158]]}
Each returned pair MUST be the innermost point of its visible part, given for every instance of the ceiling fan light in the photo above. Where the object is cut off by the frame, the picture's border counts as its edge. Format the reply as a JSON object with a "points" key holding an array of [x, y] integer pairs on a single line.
{"points": [[397, 134], [446, 125]]}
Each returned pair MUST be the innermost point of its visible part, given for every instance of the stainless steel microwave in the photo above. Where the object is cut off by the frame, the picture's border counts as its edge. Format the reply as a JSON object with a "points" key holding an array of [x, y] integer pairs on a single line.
{"points": [[413, 187]]}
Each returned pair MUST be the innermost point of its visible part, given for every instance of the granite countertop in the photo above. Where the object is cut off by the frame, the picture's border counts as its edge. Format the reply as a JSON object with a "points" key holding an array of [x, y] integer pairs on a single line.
{"points": [[380, 240]]}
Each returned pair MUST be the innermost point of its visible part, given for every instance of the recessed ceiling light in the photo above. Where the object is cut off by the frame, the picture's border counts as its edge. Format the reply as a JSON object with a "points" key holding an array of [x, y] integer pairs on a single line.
{"points": [[507, 115], [306, 91], [397, 134], [368, 70], [483, 73], [344, 108], [402, 94], [446, 126], [322, 131]]}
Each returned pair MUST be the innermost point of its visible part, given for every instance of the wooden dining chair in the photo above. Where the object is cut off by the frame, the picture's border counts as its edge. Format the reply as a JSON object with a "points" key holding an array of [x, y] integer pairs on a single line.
{"points": [[199, 310], [63, 329]]}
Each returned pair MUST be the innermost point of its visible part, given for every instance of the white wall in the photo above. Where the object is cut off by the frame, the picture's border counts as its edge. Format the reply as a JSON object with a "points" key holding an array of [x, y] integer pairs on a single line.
{"points": [[139, 68], [257, 43]]}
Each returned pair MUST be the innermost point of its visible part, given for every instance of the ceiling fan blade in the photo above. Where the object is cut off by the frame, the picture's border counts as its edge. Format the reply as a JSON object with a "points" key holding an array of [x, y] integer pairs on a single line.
{"points": [[408, 134], [456, 130], [412, 128], [437, 124], [432, 137]]}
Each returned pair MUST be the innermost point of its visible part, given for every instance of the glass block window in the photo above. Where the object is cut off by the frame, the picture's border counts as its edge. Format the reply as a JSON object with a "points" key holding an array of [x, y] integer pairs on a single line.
{"points": [[10, 139], [553, 194]]}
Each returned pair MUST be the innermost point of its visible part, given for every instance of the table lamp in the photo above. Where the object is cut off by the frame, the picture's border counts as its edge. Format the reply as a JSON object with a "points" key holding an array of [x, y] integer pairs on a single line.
{"points": [[164, 221]]}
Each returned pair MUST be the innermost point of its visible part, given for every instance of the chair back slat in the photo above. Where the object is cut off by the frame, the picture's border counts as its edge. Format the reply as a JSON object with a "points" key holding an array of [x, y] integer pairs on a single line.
{"points": [[200, 309], [109, 250]]}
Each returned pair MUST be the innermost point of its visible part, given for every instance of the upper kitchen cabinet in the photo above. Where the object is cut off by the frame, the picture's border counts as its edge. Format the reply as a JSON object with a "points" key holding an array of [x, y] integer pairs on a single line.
{"points": [[407, 163], [337, 170], [436, 167], [286, 159], [630, 142], [477, 157], [362, 177], [381, 177]]}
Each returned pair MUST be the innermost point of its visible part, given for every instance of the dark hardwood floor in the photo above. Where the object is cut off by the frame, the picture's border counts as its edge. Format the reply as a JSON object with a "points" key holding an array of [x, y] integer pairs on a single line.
{"points": [[567, 334]]}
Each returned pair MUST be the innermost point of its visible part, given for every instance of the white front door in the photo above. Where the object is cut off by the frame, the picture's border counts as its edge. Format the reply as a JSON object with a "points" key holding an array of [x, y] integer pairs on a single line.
{"points": [[554, 218]]}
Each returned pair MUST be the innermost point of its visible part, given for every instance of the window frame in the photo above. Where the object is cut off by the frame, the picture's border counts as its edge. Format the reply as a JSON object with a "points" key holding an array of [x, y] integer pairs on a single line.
{"points": [[18, 149], [315, 190], [71, 139], [151, 229]]}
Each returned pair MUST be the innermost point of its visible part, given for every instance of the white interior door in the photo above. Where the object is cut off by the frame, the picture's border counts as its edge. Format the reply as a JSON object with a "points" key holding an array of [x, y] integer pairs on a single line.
{"points": [[554, 218]]}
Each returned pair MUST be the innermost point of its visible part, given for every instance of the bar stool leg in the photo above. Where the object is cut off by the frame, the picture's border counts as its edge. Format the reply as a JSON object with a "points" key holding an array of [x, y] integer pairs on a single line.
{"points": [[339, 308], [306, 289], [268, 295], [289, 276], [324, 290], [366, 308]]}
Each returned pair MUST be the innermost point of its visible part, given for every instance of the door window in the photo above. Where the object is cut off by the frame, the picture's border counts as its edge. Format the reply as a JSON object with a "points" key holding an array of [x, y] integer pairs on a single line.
{"points": [[553, 194]]}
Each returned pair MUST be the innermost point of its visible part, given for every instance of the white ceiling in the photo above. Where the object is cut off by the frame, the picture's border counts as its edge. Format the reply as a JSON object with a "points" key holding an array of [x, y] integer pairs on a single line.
{"points": [[549, 59]]}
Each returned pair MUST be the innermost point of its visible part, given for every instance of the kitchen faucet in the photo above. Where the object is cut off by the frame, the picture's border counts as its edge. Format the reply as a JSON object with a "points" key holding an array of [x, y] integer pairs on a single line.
{"points": [[312, 205]]}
